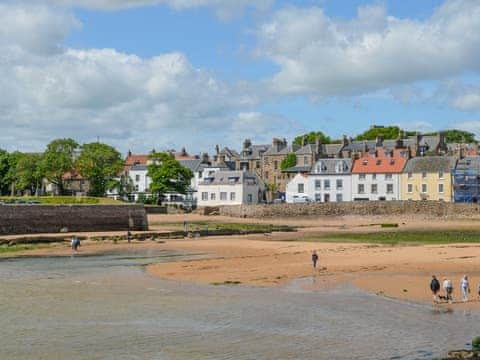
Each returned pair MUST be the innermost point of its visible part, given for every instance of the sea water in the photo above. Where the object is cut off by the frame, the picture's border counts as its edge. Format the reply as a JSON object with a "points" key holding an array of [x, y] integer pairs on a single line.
{"points": [[107, 307]]}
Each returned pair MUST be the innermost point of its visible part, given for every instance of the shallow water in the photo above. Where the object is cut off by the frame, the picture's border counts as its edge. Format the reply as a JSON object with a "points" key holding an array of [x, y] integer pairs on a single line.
{"points": [[107, 307]]}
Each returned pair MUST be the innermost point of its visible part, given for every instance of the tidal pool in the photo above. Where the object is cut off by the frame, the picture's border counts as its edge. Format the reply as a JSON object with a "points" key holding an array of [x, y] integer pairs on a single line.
{"points": [[107, 307]]}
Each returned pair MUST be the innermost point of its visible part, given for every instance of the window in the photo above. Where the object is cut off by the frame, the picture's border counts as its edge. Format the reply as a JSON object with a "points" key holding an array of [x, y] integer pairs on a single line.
{"points": [[301, 188], [249, 198], [389, 188], [374, 189], [136, 187], [362, 176], [379, 162], [223, 196], [275, 165], [361, 188], [441, 188], [339, 197], [204, 196], [318, 197], [388, 176], [318, 184], [212, 196], [424, 175], [424, 188], [441, 175], [410, 175], [257, 164], [137, 178], [305, 160], [339, 184], [266, 174], [410, 188], [374, 176], [326, 184]]}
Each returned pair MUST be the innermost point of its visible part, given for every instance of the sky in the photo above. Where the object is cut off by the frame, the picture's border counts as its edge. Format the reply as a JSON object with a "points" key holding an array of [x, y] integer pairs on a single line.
{"points": [[167, 74]]}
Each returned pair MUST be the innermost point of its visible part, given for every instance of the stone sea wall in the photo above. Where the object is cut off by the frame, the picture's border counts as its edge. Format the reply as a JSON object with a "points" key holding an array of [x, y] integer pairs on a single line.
{"points": [[31, 219], [414, 209]]}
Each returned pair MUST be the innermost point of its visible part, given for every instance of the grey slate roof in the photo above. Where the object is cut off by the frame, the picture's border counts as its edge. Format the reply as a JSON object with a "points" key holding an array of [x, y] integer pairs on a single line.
{"points": [[284, 151], [469, 163], [231, 178], [298, 169], [328, 166], [325, 149], [254, 152], [430, 164], [360, 145], [193, 165]]}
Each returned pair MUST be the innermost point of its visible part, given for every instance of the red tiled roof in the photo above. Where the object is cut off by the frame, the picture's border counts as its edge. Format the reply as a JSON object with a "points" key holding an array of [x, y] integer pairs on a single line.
{"points": [[136, 159], [72, 176], [379, 163]]}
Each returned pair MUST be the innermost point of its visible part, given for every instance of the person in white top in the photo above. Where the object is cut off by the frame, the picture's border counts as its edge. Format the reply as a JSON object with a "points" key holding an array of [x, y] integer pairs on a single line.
{"points": [[448, 287], [465, 286]]}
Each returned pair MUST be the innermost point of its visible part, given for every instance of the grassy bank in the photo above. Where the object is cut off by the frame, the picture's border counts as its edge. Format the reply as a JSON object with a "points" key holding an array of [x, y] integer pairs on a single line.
{"points": [[203, 225], [400, 237], [5, 249], [59, 200]]}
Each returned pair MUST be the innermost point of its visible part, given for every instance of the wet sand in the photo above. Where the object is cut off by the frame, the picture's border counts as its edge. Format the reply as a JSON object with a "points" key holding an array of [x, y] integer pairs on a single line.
{"points": [[276, 259]]}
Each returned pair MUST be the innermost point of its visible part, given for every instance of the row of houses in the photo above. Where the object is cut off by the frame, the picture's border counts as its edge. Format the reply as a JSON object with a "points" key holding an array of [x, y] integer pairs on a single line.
{"points": [[370, 171]]}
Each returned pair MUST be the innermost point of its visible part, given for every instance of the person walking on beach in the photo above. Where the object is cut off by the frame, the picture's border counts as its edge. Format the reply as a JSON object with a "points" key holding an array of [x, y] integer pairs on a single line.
{"points": [[465, 286], [314, 258], [75, 243], [448, 287], [129, 236], [435, 287]]}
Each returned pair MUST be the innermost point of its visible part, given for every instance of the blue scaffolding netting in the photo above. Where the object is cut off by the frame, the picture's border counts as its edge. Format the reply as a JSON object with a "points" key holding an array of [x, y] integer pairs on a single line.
{"points": [[466, 185]]}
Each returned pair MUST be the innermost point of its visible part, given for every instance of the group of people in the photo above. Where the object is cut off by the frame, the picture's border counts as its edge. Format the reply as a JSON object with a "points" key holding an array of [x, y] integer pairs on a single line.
{"points": [[447, 286]]}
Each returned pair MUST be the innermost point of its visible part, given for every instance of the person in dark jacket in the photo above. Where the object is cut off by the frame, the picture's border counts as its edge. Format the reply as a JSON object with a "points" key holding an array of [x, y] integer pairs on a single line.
{"points": [[435, 287], [314, 259]]}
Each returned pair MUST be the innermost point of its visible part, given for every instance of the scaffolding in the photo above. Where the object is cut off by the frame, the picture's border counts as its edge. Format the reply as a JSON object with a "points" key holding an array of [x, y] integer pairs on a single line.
{"points": [[466, 185]]}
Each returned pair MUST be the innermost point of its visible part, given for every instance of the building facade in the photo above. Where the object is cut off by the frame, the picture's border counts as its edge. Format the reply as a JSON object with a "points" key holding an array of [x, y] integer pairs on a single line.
{"points": [[329, 181], [466, 180], [376, 175], [231, 188], [428, 178]]}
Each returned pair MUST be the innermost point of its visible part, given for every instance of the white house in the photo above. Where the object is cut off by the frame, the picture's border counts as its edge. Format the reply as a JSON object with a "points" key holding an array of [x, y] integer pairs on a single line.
{"points": [[376, 175], [230, 188], [330, 180]]}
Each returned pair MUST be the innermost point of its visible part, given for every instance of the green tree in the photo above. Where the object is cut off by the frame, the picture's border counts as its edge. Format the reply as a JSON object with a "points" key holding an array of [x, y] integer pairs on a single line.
{"points": [[289, 161], [388, 133], [124, 186], [100, 164], [4, 167], [57, 160], [168, 175], [29, 174], [11, 177], [311, 137], [458, 136]]}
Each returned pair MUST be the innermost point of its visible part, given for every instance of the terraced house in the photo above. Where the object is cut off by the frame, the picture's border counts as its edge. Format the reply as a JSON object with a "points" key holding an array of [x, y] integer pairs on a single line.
{"points": [[376, 175], [329, 181], [428, 178]]}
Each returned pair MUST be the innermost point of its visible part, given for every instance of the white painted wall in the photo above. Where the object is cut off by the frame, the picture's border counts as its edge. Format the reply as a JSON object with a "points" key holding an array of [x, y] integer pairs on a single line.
{"points": [[322, 193], [381, 182]]}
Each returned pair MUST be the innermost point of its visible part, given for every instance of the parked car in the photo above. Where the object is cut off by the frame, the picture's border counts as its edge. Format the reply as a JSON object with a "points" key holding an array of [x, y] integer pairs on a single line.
{"points": [[301, 199]]}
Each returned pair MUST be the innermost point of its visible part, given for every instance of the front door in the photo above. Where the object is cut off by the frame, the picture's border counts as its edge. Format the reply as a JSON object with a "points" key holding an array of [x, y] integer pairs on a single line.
{"points": [[326, 198]]}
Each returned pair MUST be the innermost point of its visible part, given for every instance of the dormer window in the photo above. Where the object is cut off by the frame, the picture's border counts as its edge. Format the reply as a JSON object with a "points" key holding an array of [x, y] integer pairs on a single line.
{"points": [[365, 162], [392, 162], [379, 162]]}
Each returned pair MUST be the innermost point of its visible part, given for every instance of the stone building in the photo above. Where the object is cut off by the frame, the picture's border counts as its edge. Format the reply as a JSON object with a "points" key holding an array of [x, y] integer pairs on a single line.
{"points": [[250, 157]]}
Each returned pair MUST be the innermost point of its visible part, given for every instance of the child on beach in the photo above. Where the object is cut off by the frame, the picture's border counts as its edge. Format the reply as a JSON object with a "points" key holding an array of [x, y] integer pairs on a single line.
{"points": [[465, 286], [314, 258]]}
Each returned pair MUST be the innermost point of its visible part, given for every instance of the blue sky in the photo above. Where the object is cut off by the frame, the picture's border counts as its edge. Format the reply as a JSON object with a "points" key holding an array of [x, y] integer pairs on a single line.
{"points": [[193, 73]]}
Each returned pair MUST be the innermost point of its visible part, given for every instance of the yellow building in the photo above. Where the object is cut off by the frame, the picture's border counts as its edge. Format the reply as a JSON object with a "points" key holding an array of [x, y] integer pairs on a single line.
{"points": [[428, 178]]}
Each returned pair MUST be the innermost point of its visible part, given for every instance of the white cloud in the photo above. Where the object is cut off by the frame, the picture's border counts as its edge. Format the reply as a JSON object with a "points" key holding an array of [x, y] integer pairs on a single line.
{"points": [[324, 56], [49, 91], [225, 9], [468, 100]]}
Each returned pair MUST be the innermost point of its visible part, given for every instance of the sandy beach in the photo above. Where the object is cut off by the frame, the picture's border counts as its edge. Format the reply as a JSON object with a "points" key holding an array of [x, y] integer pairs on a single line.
{"points": [[276, 259]]}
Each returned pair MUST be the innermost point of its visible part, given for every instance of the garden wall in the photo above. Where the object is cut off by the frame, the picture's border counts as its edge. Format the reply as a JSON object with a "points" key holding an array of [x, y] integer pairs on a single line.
{"points": [[416, 209], [30, 219]]}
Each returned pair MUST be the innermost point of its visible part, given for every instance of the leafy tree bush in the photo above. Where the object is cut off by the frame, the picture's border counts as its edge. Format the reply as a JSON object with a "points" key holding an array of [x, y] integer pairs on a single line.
{"points": [[289, 161], [311, 138]]}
